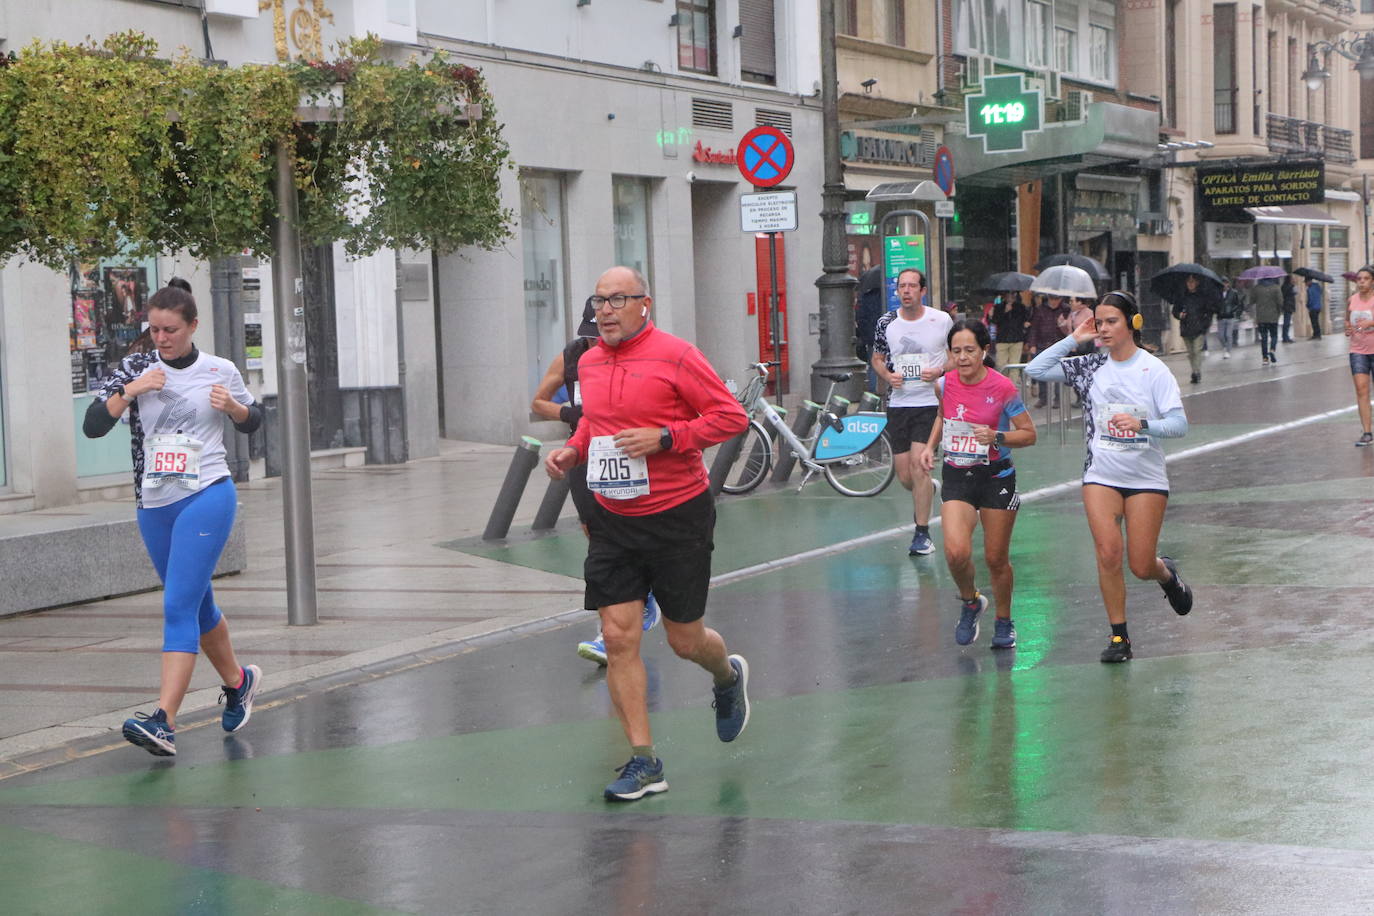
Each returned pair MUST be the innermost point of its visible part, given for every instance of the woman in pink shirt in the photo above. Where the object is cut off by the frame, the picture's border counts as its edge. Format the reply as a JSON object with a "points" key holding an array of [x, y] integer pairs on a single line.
{"points": [[981, 419], [1359, 327]]}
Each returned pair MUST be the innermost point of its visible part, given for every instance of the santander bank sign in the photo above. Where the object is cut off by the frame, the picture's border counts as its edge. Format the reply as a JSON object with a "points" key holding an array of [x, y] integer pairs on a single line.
{"points": [[702, 153]]}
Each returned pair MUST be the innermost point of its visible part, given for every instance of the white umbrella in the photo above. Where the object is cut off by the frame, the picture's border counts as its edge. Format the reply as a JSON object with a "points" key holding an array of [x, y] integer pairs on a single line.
{"points": [[1065, 280]]}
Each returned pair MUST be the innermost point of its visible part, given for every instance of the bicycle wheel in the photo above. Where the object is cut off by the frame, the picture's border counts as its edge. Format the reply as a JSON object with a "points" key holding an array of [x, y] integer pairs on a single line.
{"points": [[754, 462], [865, 473]]}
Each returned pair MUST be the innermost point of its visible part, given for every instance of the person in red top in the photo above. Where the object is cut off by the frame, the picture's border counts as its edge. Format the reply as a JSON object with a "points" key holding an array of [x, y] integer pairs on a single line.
{"points": [[650, 403]]}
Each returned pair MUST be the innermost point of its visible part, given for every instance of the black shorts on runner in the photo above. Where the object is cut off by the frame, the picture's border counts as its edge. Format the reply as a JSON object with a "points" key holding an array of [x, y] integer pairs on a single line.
{"points": [[668, 552], [980, 487], [907, 425]]}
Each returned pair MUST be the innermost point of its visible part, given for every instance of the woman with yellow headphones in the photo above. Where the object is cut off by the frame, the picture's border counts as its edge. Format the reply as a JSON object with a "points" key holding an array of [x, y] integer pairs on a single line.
{"points": [[1130, 401]]}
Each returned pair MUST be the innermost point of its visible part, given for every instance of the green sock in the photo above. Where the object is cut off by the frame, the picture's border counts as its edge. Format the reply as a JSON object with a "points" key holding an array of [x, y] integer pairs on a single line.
{"points": [[646, 750]]}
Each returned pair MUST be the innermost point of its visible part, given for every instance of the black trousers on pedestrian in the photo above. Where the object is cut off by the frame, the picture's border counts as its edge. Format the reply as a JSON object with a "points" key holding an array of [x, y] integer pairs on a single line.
{"points": [[1269, 338], [1287, 327]]}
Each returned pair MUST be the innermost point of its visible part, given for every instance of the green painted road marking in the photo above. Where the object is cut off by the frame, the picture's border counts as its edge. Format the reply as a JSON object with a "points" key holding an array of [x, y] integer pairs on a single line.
{"points": [[43, 874], [1217, 746]]}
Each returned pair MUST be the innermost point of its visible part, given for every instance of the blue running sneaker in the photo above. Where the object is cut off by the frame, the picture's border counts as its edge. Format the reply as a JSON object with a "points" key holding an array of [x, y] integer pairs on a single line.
{"points": [[1003, 633], [640, 777], [732, 703], [651, 612], [921, 545], [238, 701], [152, 733], [593, 650], [967, 629]]}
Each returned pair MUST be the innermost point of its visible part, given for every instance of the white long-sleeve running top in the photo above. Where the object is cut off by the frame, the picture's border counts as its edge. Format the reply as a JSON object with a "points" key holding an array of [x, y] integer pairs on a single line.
{"points": [[1141, 386]]}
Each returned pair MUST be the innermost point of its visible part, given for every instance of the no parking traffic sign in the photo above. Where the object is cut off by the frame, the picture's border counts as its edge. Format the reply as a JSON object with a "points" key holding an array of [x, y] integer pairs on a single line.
{"points": [[765, 156]]}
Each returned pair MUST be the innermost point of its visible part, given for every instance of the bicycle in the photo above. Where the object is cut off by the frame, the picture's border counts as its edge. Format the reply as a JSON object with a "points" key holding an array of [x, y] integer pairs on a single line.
{"points": [[852, 451]]}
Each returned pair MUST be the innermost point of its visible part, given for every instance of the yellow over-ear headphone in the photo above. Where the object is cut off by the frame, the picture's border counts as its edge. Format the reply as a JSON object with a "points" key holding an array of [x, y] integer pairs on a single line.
{"points": [[1137, 322]]}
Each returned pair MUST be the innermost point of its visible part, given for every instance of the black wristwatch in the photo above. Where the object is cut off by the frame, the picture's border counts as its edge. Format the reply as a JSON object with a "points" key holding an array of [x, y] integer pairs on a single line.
{"points": [[1000, 439], [1144, 424], [665, 439]]}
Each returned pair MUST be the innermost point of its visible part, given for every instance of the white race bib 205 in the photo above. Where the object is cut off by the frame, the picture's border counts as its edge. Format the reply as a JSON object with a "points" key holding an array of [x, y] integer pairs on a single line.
{"points": [[172, 458], [1117, 438], [614, 474], [960, 447]]}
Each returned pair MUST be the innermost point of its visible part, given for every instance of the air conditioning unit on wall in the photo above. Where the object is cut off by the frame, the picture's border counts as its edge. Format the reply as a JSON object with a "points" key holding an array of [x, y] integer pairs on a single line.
{"points": [[1076, 102], [977, 66]]}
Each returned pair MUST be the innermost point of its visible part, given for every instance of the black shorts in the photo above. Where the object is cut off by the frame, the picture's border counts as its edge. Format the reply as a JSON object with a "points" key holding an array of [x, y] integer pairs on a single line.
{"points": [[668, 553], [980, 487], [908, 425], [1128, 492]]}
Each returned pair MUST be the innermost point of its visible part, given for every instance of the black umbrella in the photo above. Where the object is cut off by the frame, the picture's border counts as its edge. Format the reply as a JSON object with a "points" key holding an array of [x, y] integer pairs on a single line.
{"points": [[1313, 274], [1006, 281], [1170, 283], [1095, 268]]}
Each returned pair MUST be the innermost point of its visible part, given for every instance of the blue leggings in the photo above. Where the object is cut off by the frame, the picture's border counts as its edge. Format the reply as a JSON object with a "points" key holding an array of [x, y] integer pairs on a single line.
{"points": [[184, 541]]}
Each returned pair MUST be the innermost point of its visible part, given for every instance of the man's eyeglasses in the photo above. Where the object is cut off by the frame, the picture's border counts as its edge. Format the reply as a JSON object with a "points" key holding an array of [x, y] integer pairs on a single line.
{"points": [[616, 302]]}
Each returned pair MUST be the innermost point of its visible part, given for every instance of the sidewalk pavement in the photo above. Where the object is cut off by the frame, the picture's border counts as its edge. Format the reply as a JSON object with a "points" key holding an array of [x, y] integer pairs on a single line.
{"points": [[387, 591]]}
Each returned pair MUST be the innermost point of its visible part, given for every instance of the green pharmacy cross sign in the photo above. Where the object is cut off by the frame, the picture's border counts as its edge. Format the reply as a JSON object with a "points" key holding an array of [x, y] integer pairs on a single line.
{"points": [[1004, 112]]}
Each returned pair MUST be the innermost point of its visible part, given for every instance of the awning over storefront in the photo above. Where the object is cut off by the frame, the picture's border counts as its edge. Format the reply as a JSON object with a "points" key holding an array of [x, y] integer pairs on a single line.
{"points": [[1297, 214], [1109, 135]]}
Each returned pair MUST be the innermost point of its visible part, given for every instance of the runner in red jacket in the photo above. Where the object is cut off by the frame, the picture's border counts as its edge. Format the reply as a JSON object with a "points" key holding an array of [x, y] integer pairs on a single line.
{"points": [[650, 403]]}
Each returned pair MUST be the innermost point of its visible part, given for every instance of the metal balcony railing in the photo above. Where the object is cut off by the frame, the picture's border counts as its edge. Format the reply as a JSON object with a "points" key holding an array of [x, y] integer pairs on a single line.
{"points": [[1293, 135], [1224, 111]]}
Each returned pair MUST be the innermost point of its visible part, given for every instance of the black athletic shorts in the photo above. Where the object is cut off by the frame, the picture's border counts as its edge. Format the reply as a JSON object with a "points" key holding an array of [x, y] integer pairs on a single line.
{"points": [[668, 552], [980, 487], [907, 425]]}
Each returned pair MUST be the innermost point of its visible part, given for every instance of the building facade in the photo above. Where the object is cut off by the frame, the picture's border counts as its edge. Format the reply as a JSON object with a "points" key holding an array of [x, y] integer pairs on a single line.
{"points": [[623, 122]]}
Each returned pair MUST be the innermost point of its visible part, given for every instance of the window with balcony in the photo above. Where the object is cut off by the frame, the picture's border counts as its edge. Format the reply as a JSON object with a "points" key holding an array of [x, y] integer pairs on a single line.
{"points": [[696, 35], [1224, 74], [1366, 119]]}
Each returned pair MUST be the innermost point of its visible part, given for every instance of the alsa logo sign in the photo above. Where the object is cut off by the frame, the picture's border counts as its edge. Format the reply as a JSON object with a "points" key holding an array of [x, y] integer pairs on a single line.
{"points": [[702, 153]]}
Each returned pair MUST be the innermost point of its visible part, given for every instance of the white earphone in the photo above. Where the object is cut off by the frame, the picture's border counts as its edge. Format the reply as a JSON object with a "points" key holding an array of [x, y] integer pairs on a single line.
{"points": [[643, 311]]}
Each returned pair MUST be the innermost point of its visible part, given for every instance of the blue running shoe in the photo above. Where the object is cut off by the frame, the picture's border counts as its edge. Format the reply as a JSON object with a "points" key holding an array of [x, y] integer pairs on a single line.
{"points": [[152, 733], [640, 777], [732, 703], [651, 612], [967, 629], [593, 650], [921, 545], [1003, 633], [238, 701]]}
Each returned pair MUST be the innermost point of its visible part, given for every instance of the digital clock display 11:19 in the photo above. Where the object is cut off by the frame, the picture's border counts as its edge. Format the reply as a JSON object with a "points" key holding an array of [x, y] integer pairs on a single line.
{"points": [[1005, 113]]}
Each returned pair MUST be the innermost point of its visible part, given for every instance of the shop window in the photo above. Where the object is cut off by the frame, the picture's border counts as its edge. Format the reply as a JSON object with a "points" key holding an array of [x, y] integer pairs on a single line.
{"points": [[109, 301], [1318, 236], [1338, 237], [543, 238], [631, 209], [696, 35]]}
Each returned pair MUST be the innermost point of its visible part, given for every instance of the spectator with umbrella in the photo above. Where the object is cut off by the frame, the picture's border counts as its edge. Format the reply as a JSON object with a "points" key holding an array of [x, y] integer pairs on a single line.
{"points": [[1267, 300], [1196, 294], [1012, 320], [1315, 298], [1061, 286]]}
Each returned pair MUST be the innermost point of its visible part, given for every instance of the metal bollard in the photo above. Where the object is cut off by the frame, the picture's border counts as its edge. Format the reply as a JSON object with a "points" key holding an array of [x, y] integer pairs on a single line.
{"points": [[551, 506], [726, 456], [787, 460], [517, 476]]}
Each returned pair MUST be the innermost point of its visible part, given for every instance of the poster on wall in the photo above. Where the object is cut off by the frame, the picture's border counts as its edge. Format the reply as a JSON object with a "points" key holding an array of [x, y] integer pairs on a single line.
{"points": [[78, 373], [126, 291]]}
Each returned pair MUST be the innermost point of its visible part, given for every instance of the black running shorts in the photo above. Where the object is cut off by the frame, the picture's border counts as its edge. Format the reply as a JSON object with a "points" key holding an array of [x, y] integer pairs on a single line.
{"points": [[980, 487], [908, 425], [668, 553]]}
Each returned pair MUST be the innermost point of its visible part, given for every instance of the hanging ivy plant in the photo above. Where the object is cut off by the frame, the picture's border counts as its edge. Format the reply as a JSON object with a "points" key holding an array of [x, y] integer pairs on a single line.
{"points": [[103, 147]]}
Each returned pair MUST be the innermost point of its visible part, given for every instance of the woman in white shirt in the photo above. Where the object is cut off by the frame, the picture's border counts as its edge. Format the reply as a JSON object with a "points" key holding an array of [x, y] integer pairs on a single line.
{"points": [[1130, 402], [178, 398]]}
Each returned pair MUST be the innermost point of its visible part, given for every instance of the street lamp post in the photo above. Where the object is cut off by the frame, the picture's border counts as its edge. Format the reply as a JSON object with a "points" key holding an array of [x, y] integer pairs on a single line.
{"points": [[836, 285]]}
